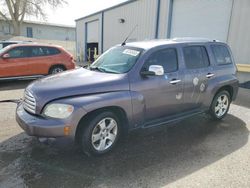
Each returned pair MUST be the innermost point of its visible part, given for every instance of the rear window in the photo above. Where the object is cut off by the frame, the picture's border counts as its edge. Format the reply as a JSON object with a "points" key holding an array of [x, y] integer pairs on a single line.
{"points": [[196, 57], [221, 54], [51, 50]]}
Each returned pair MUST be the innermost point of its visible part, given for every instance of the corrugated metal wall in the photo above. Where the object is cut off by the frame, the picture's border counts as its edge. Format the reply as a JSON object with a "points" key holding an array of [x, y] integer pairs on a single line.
{"points": [[141, 13], [144, 13], [163, 19], [239, 33], [202, 18]]}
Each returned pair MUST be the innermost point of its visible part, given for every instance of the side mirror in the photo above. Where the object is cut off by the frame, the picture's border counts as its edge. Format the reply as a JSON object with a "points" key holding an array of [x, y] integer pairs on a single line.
{"points": [[154, 70], [157, 69], [6, 56]]}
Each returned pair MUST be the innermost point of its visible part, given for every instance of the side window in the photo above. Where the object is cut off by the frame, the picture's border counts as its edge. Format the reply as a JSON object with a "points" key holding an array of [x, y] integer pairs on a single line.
{"points": [[50, 51], [221, 54], [36, 51], [19, 52], [195, 57], [167, 58], [53, 51]]}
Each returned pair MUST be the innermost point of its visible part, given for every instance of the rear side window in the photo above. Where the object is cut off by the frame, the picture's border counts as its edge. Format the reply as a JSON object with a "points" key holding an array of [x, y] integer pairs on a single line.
{"points": [[167, 58], [221, 54], [19, 52], [196, 57], [50, 50]]}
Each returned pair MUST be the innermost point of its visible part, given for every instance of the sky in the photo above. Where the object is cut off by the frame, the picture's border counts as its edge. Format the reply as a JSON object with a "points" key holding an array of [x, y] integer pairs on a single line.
{"points": [[67, 14]]}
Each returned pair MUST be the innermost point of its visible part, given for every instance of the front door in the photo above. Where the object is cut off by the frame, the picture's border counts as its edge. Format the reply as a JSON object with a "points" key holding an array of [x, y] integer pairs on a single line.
{"points": [[162, 94], [16, 64]]}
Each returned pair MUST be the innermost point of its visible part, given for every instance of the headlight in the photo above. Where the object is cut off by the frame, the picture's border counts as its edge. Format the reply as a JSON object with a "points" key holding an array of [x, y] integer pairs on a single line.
{"points": [[60, 111]]}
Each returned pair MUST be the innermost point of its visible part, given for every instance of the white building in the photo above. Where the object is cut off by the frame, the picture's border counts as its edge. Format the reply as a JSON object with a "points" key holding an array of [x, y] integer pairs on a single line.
{"points": [[40, 30], [225, 20]]}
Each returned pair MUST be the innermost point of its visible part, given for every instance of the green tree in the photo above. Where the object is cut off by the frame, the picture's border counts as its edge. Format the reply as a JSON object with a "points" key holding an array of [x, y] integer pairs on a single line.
{"points": [[14, 11]]}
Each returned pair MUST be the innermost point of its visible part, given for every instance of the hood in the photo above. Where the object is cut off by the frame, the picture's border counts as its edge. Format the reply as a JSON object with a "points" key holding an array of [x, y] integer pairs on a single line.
{"points": [[75, 82]]}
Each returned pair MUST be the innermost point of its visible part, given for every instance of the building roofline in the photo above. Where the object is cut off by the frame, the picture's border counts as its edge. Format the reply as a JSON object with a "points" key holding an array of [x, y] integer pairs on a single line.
{"points": [[49, 24], [109, 8], [45, 23]]}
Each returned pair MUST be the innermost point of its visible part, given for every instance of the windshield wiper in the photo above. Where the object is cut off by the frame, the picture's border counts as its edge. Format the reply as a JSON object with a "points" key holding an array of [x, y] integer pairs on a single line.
{"points": [[97, 68], [100, 69]]}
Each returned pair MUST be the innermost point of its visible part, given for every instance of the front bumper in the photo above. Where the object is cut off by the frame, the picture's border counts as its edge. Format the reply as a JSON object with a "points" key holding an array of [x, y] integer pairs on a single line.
{"points": [[42, 127]]}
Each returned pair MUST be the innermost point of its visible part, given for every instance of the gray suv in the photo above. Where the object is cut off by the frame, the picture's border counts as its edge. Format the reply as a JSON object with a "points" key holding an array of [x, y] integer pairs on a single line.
{"points": [[131, 86]]}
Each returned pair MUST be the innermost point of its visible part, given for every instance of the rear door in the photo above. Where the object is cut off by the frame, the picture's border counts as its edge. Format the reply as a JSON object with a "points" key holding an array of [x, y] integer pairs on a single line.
{"points": [[16, 64], [198, 71], [39, 60]]}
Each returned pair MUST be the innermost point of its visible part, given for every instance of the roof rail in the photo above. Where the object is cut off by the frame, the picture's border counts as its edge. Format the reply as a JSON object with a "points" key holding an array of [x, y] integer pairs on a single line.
{"points": [[193, 39]]}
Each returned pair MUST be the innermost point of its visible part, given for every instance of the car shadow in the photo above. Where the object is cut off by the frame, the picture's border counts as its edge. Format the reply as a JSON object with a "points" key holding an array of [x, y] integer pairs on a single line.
{"points": [[14, 84], [147, 158], [243, 97]]}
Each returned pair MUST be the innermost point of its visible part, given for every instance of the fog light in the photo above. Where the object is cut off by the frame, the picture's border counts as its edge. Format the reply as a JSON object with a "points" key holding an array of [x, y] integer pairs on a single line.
{"points": [[66, 131]]}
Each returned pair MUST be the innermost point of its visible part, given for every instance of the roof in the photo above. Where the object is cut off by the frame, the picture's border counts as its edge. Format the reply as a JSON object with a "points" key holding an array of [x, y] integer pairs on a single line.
{"points": [[45, 23], [34, 44], [109, 8], [159, 42]]}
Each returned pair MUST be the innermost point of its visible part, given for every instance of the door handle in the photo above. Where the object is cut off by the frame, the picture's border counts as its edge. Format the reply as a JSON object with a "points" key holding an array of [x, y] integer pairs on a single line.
{"points": [[209, 75], [174, 81]]}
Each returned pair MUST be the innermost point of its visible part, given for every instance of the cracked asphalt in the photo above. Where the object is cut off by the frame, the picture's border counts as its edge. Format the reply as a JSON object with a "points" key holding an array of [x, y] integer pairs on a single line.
{"points": [[196, 152]]}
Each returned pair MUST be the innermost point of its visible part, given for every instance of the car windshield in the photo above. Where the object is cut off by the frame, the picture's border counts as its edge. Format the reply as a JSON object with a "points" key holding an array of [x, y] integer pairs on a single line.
{"points": [[117, 60], [2, 50]]}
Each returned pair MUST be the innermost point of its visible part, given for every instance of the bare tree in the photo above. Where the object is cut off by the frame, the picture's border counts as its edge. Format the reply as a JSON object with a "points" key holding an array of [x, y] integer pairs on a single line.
{"points": [[14, 11]]}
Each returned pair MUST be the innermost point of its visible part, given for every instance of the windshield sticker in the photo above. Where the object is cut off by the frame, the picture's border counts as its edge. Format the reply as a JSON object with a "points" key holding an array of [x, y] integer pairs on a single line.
{"points": [[131, 52]]}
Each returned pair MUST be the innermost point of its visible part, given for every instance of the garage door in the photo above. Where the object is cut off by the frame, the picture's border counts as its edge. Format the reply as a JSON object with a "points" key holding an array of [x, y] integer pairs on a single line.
{"points": [[201, 18], [92, 31]]}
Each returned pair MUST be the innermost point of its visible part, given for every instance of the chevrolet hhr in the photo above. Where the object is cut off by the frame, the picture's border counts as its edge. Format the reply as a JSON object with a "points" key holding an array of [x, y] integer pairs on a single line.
{"points": [[131, 86]]}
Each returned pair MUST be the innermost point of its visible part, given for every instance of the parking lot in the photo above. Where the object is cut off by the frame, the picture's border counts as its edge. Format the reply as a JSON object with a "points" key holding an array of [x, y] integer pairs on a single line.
{"points": [[197, 152]]}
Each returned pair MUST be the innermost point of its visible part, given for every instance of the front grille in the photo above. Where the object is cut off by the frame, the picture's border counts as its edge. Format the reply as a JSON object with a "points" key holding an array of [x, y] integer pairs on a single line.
{"points": [[29, 102]]}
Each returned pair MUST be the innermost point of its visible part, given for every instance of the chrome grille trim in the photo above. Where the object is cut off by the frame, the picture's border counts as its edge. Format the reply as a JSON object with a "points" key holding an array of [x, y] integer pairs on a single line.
{"points": [[29, 102]]}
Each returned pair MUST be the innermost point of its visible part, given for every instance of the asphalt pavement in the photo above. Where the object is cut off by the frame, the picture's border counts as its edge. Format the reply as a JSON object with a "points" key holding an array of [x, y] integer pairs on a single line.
{"points": [[196, 152]]}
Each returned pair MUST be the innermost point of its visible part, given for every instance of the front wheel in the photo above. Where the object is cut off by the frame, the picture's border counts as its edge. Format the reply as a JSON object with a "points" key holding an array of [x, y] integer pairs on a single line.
{"points": [[220, 105], [100, 134]]}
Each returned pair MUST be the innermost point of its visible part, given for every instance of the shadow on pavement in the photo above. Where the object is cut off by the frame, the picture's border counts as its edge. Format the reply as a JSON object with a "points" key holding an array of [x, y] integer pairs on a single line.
{"points": [[243, 98], [148, 158], [12, 85]]}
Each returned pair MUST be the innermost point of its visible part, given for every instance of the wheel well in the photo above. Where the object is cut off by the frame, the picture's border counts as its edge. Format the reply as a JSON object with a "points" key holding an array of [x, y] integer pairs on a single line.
{"points": [[57, 65], [121, 114], [227, 88]]}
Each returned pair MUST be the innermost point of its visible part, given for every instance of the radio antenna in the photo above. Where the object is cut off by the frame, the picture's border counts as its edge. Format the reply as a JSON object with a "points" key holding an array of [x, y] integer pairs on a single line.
{"points": [[124, 43]]}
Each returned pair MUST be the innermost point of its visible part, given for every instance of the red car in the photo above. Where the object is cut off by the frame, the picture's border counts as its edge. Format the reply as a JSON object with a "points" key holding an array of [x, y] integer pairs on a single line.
{"points": [[33, 60]]}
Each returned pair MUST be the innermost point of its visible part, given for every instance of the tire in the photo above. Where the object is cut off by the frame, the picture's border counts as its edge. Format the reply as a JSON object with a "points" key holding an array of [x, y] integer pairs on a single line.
{"points": [[220, 105], [101, 133], [56, 69]]}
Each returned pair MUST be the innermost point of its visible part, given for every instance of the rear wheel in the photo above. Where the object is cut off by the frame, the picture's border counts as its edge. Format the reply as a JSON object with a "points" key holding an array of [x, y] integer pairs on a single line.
{"points": [[100, 134], [220, 105], [56, 69]]}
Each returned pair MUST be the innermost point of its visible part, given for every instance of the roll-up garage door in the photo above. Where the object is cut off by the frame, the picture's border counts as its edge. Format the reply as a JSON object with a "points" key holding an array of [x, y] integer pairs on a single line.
{"points": [[93, 31], [201, 18]]}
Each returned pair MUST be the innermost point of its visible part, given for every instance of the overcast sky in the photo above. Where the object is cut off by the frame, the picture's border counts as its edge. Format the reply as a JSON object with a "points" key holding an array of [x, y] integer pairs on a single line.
{"points": [[76, 9]]}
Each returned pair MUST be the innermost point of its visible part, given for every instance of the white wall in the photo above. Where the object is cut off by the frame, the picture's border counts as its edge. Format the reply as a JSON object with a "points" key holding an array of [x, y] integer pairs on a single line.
{"points": [[49, 32], [201, 18], [141, 13], [40, 31], [239, 33]]}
